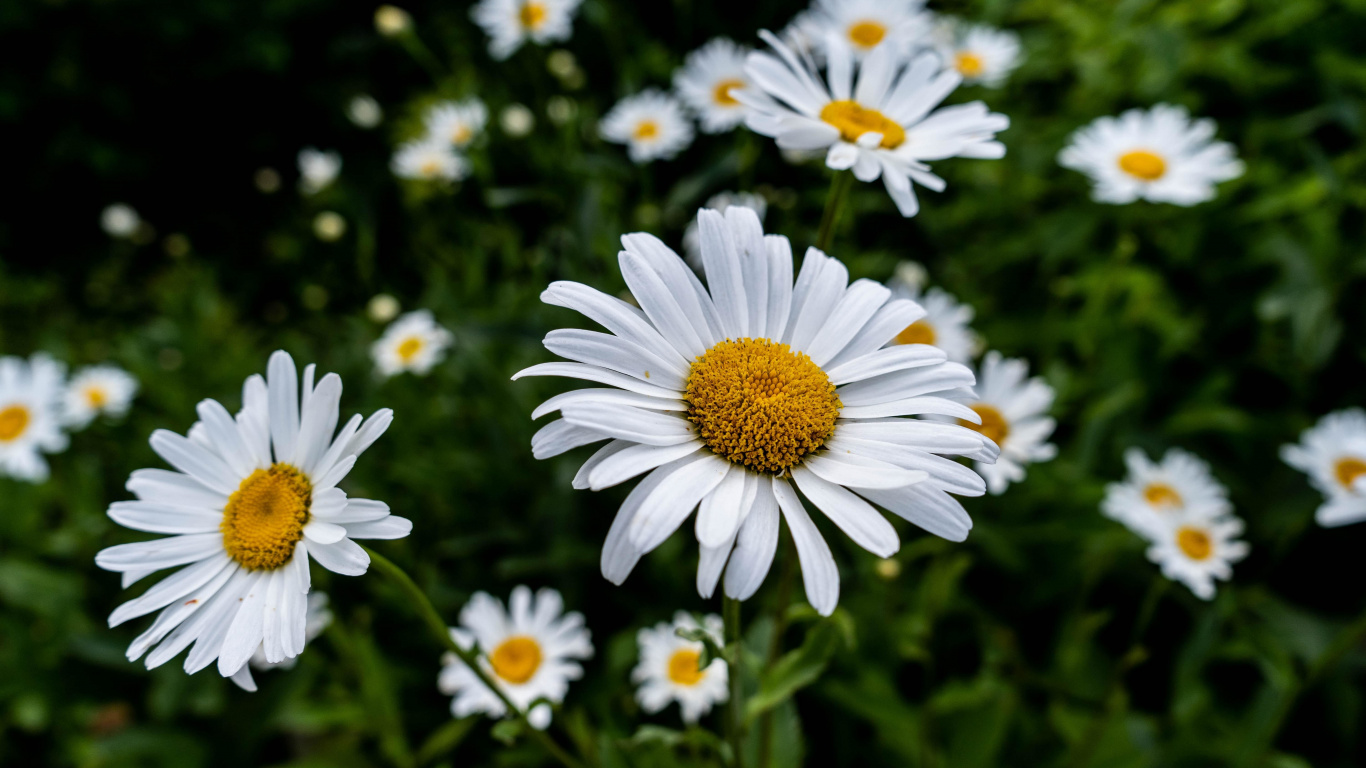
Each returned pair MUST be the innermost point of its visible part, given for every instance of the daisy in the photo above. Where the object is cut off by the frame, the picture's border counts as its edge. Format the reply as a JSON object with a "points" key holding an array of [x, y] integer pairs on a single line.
{"points": [[119, 220], [651, 124], [317, 169], [736, 396], [429, 159], [458, 122], [1159, 155], [981, 54], [317, 618], [1333, 454], [30, 415], [253, 498], [669, 668], [1014, 416], [531, 650], [881, 126], [510, 23], [1195, 551], [413, 343], [863, 25], [945, 324], [99, 389], [1156, 496], [692, 243], [705, 82]]}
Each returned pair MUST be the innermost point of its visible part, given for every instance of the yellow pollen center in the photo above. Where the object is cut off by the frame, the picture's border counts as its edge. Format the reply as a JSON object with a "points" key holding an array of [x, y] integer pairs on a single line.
{"points": [[722, 92], [994, 426], [1143, 164], [532, 15], [867, 34], [462, 135], [1162, 495], [968, 64], [516, 659], [13, 421], [1347, 469], [646, 129], [757, 403], [409, 349], [683, 667], [919, 332], [96, 397], [1194, 542], [266, 516], [853, 121], [430, 167]]}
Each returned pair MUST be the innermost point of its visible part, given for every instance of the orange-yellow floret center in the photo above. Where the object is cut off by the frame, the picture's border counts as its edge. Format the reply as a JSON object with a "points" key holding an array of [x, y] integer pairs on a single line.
{"points": [[265, 517]]}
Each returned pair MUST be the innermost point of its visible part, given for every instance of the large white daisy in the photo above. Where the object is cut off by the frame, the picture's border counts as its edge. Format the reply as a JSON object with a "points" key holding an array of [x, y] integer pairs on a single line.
{"points": [[30, 415], [945, 324], [98, 390], [253, 498], [720, 202], [510, 23], [1156, 496], [863, 25], [1196, 551], [429, 159], [880, 126], [1014, 414], [981, 54], [458, 122], [531, 650], [737, 396], [670, 668], [1333, 454], [651, 124], [706, 79], [317, 169], [411, 343], [1159, 155], [317, 618]]}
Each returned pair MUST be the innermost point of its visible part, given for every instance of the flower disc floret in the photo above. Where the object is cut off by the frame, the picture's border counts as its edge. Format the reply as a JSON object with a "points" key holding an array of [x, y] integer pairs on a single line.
{"points": [[13, 421], [853, 120], [265, 517], [516, 659]]}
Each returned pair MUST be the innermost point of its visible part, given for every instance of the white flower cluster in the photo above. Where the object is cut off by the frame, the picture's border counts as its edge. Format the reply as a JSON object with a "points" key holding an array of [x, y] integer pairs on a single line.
{"points": [[450, 128]]}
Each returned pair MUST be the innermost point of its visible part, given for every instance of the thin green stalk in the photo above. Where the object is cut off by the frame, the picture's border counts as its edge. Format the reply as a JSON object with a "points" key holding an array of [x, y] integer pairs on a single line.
{"points": [[775, 647], [423, 55], [439, 628], [834, 203], [735, 723]]}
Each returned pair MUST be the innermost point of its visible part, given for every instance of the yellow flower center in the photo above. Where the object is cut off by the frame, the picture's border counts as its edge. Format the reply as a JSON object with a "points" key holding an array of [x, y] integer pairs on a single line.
{"points": [[646, 129], [462, 135], [13, 421], [1194, 542], [266, 516], [1143, 164], [867, 33], [853, 121], [516, 659], [532, 15], [919, 332], [722, 92], [1162, 495], [96, 396], [994, 426], [409, 348], [968, 64], [1347, 469], [430, 168], [683, 667], [757, 403]]}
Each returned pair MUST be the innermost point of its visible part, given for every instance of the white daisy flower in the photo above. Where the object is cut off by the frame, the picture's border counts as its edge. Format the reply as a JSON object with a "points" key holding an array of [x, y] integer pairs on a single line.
{"points": [[705, 81], [255, 496], [1154, 497], [720, 202], [318, 618], [510, 23], [317, 169], [981, 54], [119, 220], [944, 325], [736, 396], [863, 25], [1014, 415], [881, 126], [1159, 155], [669, 668], [1195, 551], [1333, 454], [413, 343], [429, 159], [363, 111], [99, 389], [531, 650], [651, 124], [458, 122], [30, 415]]}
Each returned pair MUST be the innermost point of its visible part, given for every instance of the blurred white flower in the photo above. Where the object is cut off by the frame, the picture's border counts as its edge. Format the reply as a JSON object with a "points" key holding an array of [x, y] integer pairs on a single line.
{"points": [[382, 308], [669, 668], [1155, 496], [413, 343], [516, 120], [98, 390], [329, 226], [981, 54], [1196, 552], [720, 202], [392, 21], [429, 159], [458, 122], [944, 325], [705, 81], [1014, 415], [120, 220], [651, 124], [30, 415], [1333, 454], [510, 23], [317, 169], [364, 112], [1159, 155], [318, 619], [863, 25]]}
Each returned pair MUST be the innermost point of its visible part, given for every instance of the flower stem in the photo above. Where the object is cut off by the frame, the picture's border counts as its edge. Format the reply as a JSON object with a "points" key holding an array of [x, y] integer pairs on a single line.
{"points": [[834, 203], [439, 628], [730, 613], [775, 647]]}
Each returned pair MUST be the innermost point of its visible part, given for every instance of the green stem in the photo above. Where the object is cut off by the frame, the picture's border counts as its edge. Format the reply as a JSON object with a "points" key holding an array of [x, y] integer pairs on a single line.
{"points": [[775, 647], [834, 202], [443, 633], [423, 56], [735, 724]]}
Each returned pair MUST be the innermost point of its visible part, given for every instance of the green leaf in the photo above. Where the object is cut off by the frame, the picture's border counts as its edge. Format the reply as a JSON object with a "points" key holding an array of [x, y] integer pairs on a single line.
{"points": [[507, 731], [445, 739], [797, 669]]}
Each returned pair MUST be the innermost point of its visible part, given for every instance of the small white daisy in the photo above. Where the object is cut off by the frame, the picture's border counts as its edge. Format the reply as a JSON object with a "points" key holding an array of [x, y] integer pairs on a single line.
{"points": [[459, 122], [253, 498], [945, 324], [720, 202], [317, 169], [1333, 454], [318, 619], [731, 398], [98, 390], [119, 220], [1195, 551], [412, 343], [1159, 155], [1155, 496], [863, 25], [1014, 415], [510, 23], [429, 159], [669, 668], [705, 81], [981, 54], [517, 120], [881, 125], [30, 415], [651, 124], [531, 650], [364, 112]]}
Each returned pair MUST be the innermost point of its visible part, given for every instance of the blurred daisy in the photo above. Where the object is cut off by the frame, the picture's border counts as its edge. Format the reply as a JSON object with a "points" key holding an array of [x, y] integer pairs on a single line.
{"points": [[517, 120], [531, 650], [119, 220], [944, 325], [30, 415], [510, 23], [98, 390], [669, 668], [881, 126], [981, 54], [705, 81], [392, 21], [364, 112], [317, 619], [429, 159], [317, 169], [692, 242], [1014, 415], [863, 25], [1159, 155], [651, 124], [1156, 496], [253, 498], [413, 343], [1333, 454], [732, 398], [458, 122], [1195, 551]]}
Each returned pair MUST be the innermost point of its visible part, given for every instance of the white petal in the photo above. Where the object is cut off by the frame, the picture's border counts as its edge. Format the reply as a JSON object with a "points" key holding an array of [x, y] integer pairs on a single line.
{"points": [[166, 487], [723, 273], [718, 517], [391, 527], [163, 518], [323, 532], [610, 312], [282, 382], [887, 360], [675, 498], [345, 557], [560, 436], [820, 575], [617, 354], [612, 448], [226, 438], [927, 507], [160, 553], [318, 423], [635, 460], [195, 461], [856, 517], [608, 396], [890, 319], [755, 544], [599, 375], [659, 303], [627, 423], [858, 305], [247, 630], [837, 467], [170, 589]]}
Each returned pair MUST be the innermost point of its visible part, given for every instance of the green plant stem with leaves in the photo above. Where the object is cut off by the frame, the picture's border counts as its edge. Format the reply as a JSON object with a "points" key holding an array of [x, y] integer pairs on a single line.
{"points": [[775, 648], [735, 709], [834, 204]]}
